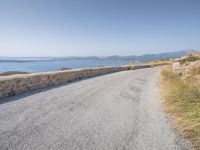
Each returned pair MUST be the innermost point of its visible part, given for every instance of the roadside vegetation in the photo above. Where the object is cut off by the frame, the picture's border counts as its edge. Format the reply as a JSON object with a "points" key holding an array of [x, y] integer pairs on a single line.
{"points": [[181, 99], [159, 63], [189, 59]]}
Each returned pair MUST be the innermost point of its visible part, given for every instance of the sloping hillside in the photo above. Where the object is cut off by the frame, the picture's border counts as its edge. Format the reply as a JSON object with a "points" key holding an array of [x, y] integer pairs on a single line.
{"points": [[181, 87]]}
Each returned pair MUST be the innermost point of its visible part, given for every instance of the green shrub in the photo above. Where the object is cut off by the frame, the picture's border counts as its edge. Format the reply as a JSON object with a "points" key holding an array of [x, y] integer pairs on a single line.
{"points": [[189, 59]]}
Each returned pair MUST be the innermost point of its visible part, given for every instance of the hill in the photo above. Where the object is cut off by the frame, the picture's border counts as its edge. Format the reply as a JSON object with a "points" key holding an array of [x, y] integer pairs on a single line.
{"points": [[132, 58]]}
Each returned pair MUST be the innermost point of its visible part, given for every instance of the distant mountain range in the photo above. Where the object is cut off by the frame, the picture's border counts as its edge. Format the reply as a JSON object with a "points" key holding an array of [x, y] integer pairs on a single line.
{"points": [[132, 58], [151, 57]]}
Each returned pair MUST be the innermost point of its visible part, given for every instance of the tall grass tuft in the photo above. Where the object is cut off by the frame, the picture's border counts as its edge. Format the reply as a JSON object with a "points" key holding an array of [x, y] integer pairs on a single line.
{"points": [[182, 103]]}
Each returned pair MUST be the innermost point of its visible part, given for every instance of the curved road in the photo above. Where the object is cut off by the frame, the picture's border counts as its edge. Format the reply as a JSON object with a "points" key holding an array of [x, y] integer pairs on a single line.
{"points": [[115, 111]]}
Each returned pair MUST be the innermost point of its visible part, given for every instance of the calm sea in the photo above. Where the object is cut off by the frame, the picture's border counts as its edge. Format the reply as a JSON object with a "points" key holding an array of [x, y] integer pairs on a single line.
{"points": [[53, 65]]}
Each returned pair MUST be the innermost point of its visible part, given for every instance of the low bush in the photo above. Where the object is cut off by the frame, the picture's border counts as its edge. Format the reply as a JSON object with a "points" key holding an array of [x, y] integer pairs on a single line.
{"points": [[189, 59]]}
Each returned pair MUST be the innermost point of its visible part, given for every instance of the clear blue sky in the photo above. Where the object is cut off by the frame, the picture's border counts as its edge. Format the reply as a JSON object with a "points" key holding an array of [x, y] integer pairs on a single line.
{"points": [[97, 27]]}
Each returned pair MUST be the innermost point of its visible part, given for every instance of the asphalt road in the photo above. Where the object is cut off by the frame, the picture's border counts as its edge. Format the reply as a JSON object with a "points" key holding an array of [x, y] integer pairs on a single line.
{"points": [[110, 112]]}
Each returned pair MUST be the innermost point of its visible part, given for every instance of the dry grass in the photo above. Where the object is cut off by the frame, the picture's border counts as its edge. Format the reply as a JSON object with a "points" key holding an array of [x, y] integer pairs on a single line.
{"points": [[195, 71], [182, 103], [159, 63]]}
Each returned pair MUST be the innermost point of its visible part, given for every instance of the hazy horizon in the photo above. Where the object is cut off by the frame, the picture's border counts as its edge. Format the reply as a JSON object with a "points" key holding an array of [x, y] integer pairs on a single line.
{"points": [[95, 55], [97, 28]]}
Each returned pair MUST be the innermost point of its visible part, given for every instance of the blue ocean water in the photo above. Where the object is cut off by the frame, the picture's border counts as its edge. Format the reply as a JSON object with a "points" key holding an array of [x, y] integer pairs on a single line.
{"points": [[53, 65]]}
